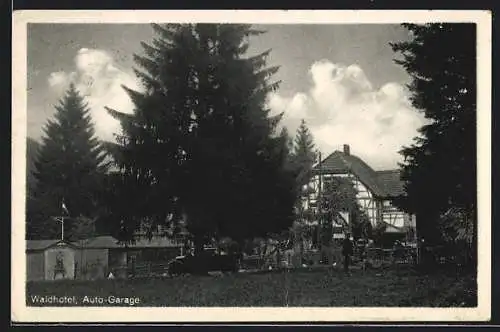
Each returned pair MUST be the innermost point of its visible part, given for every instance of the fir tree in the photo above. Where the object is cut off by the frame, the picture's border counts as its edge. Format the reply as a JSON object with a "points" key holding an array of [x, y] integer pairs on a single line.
{"points": [[200, 144], [440, 167], [69, 168], [285, 136], [304, 154], [302, 159]]}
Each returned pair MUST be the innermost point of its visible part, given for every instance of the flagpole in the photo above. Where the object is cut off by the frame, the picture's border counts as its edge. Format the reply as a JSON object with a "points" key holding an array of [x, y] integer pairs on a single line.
{"points": [[61, 218]]}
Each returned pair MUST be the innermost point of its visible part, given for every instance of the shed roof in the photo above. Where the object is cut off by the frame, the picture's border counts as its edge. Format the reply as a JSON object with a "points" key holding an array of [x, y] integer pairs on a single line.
{"points": [[33, 245], [103, 242], [39, 244], [110, 242]]}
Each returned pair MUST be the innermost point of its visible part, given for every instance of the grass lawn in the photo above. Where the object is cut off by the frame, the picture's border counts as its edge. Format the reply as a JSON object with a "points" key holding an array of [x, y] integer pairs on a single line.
{"points": [[322, 287]]}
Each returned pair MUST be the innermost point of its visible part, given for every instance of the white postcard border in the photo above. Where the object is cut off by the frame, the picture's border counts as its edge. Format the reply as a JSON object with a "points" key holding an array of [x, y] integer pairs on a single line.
{"points": [[22, 313]]}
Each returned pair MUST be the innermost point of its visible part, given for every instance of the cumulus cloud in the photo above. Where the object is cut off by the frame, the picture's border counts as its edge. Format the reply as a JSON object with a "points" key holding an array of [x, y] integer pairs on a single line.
{"points": [[58, 81], [100, 81], [343, 107]]}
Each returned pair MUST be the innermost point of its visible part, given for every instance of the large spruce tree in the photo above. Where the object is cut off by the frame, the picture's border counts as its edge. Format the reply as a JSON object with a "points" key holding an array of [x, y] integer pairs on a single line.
{"points": [[32, 147], [200, 143], [440, 167], [69, 167]]}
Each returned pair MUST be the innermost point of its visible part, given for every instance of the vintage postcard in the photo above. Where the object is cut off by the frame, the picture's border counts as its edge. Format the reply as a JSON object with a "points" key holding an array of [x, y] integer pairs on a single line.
{"points": [[251, 166]]}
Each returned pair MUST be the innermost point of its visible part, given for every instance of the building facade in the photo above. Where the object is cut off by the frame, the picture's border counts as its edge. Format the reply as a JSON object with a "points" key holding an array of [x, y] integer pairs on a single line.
{"points": [[94, 258], [376, 191]]}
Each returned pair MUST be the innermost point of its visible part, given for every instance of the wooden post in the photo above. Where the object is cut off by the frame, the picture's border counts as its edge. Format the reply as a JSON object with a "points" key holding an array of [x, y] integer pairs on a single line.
{"points": [[62, 228], [61, 220]]}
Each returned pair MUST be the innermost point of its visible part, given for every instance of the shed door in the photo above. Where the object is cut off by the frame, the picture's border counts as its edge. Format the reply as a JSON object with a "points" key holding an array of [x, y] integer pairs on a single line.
{"points": [[59, 263]]}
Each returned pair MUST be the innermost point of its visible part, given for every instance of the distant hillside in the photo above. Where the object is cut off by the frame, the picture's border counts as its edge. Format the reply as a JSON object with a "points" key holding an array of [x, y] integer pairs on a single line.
{"points": [[31, 154]]}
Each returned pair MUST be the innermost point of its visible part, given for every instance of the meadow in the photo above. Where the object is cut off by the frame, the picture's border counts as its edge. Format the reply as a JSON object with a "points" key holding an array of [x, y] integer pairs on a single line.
{"points": [[305, 287]]}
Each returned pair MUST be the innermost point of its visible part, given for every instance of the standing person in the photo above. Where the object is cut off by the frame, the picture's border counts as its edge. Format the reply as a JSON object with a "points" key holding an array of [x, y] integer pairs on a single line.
{"points": [[186, 248], [398, 252], [347, 250]]}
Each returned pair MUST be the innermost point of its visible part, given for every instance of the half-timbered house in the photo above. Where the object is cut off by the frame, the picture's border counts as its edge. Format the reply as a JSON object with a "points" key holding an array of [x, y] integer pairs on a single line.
{"points": [[376, 191]]}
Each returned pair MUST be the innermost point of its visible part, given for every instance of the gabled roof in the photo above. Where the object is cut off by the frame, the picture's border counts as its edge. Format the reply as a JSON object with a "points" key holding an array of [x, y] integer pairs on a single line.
{"points": [[382, 184]]}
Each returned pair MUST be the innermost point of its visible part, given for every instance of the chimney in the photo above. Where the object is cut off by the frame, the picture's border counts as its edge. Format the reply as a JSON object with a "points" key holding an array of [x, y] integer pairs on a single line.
{"points": [[347, 149]]}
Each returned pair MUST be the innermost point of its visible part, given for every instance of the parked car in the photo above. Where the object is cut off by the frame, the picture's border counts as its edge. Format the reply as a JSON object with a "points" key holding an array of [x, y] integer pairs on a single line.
{"points": [[208, 261]]}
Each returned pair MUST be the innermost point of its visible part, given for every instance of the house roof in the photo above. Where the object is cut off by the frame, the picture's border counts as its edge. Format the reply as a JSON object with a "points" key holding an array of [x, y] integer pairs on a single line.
{"points": [[391, 182], [380, 183]]}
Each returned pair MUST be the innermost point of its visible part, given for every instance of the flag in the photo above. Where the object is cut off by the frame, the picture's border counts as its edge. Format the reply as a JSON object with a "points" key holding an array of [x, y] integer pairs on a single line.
{"points": [[64, 208]]}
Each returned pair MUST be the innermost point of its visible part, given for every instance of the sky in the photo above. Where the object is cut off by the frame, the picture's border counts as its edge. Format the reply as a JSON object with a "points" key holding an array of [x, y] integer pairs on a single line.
{"points": [[341, 79]]}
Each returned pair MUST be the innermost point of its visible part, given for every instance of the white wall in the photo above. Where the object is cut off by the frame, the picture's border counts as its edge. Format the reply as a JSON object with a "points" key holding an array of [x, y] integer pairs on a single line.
{"points": [[392, 216]]}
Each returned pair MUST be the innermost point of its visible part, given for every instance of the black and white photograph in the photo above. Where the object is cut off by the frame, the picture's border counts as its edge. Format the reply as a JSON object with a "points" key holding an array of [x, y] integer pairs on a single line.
{"points": [[290, 166]]}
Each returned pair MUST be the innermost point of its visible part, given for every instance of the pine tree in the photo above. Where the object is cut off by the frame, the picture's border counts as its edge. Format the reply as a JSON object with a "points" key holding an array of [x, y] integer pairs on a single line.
{"points": [[440, 167], [302, 159], [304, 154], [69, 168], [285, 136], [201, 144]]}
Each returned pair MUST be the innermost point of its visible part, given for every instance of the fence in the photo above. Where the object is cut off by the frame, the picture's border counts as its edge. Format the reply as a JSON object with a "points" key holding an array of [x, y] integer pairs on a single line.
{"points": [[374, 257], [447, 255], [378, 257], [147, 269], [332, 256], [253, 262]]}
